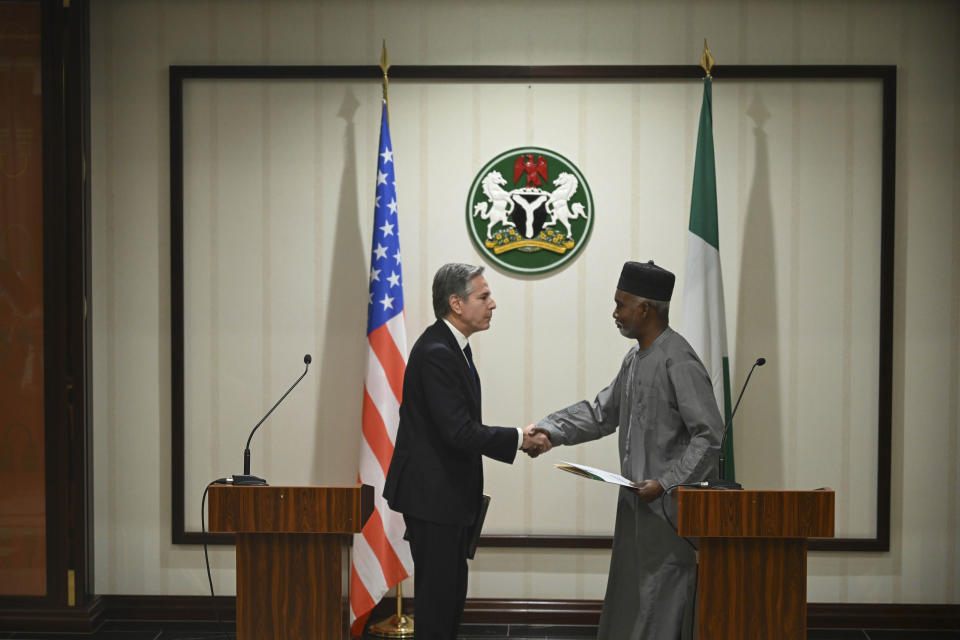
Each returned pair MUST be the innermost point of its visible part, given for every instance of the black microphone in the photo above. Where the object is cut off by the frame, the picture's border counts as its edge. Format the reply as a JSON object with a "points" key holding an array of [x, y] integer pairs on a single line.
{"points": [[246, 478], [723, 483]]}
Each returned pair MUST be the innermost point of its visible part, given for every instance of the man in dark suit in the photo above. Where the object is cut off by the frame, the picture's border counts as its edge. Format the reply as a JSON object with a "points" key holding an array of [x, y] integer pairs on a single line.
{"points": [[436, 475]]}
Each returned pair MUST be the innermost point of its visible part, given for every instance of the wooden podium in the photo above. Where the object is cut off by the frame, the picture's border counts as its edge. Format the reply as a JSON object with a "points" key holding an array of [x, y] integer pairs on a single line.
{"points": [[290, 543], [753, 558]]}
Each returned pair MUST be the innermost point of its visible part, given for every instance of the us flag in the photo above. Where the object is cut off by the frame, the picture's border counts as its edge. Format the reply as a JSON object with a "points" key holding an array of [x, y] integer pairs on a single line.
{"points": [[381, 558]]}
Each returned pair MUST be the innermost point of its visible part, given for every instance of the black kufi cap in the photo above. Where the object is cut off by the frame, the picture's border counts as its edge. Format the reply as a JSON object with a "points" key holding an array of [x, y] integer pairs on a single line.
{"points": [[646, 280]]}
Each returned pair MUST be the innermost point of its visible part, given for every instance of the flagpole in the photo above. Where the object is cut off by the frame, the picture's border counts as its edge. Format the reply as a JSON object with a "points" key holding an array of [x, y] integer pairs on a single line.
{"points": [[399, 625], [385, 65]]}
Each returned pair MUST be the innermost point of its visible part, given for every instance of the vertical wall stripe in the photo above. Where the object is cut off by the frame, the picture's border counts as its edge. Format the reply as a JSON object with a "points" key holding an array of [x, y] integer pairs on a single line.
{"points": [[952, 587], [213, 199], [583, 159], [421, 218], [793, 438], [731, 253], [636, 149], [900, 290], [424, 25], [164, 362], [320, 173], [266, 344], [373, 43], [796, 202], [528, 288], [636, 128], [112, 241], [692, 94], [792, 363], [845, 490]]}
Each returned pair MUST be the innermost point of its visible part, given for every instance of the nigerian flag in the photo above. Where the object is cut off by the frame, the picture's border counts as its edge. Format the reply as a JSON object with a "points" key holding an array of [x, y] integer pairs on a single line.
{"points": [[704, 320]]}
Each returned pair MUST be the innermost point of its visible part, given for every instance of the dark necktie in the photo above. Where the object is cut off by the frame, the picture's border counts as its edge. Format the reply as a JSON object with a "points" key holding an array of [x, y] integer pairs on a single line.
{"points": [[467, 351]]}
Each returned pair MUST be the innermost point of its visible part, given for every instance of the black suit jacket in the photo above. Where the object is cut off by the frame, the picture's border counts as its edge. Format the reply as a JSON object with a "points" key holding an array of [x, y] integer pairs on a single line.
{"points": [[436, 472]]}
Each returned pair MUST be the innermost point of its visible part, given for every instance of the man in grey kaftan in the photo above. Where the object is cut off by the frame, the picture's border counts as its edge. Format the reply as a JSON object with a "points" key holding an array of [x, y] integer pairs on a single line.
{"points": [[669, 433]]}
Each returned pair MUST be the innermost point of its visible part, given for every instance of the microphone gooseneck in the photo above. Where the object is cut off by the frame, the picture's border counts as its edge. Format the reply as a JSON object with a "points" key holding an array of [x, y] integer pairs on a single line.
{"points": [[723, 482], [246, 478]]}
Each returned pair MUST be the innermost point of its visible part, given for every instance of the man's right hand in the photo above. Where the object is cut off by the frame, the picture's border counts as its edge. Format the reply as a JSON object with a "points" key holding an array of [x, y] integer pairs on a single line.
{"points": [[535, 441]]}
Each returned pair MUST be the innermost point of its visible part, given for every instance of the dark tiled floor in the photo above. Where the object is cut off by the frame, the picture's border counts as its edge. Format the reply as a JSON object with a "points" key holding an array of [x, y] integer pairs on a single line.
{"points": [[210, 631]]}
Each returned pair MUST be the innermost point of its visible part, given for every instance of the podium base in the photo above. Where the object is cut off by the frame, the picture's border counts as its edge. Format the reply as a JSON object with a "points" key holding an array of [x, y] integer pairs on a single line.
{"points": [[396, 626]]}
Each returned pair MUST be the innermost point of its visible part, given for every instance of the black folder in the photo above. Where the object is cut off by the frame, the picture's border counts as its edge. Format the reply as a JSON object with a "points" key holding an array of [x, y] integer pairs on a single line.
{"points": [[477, 526]]}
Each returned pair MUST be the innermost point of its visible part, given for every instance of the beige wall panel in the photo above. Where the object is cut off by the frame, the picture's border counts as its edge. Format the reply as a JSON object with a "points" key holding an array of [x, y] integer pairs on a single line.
{"points": [[927, 458], [133, 340], [288, 31], [185, 28]]}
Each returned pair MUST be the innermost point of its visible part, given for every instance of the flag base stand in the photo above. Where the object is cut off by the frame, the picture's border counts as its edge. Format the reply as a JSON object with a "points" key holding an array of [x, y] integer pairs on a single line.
{"points": [[393, 627], [396, 626]]}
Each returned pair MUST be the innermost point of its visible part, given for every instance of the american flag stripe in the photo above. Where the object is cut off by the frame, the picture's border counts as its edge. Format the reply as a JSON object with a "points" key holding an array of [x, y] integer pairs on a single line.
{"points": [[371, 471], [390, 357], [368, 566], [375, 433], [368, 583], [381, 558], [398, 330], [392, 521], [387, 404], [376, 536], [360, 601]]}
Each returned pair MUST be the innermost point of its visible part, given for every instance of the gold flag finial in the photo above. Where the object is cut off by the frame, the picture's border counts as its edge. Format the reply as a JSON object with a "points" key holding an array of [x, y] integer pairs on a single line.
{"points": [[384, 64], [706, 61]]}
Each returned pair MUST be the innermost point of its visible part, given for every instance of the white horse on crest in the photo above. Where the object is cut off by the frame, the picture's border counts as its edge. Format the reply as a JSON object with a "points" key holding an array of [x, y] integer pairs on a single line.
{"points": [[502, 205], [557, 204]]}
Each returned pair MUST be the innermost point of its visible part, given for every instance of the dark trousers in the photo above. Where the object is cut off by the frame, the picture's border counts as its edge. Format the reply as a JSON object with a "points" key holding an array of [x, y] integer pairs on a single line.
{"points": [[439, 577]]}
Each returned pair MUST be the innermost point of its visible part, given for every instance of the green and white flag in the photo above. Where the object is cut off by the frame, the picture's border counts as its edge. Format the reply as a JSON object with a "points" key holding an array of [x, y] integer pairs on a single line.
{"points": [[704, 319]]}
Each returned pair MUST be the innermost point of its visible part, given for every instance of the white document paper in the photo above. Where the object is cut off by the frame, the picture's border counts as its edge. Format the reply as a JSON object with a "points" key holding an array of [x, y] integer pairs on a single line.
{"points": [[593, 473]]}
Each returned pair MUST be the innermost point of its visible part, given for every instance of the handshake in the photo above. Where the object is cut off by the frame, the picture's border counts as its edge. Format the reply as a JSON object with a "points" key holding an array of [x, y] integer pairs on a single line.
{"points": [[535, 441]]}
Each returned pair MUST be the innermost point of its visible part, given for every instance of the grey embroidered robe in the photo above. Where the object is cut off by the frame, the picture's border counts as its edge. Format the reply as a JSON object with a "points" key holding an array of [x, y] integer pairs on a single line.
{"points": [[669, 429]]}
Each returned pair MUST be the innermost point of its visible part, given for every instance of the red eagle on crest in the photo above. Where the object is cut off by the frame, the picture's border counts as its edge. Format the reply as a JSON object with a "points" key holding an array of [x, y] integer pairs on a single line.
{"points": [[534, 170]]}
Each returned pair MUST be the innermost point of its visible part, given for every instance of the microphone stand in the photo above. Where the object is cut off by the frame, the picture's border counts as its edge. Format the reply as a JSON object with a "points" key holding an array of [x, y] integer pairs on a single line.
{"points": [[253, 481], [722, 482]]}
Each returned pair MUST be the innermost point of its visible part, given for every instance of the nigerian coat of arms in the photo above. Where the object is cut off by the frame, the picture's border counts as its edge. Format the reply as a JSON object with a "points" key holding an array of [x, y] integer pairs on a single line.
{"points": [[535, 222]]}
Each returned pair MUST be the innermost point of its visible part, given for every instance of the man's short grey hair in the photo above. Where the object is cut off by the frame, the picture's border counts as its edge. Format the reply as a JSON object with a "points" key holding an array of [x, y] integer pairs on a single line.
{"points": [[452, 279], [662, 307]]}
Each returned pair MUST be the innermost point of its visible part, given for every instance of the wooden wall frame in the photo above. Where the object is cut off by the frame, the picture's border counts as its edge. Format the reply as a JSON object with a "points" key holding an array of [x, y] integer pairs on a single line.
{"points": [[885, 74]]}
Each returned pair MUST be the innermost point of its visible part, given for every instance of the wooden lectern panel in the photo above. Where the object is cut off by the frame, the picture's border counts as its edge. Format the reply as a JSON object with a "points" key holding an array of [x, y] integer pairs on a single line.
{"points": [[289, 509], [288, 586], [290, 543], [752, 589], [705, 513]]}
